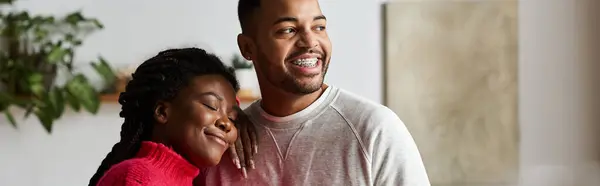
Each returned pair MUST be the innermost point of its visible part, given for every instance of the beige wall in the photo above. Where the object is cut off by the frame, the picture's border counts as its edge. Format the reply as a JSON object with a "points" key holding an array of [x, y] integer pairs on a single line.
{"points": [[559, 56]]}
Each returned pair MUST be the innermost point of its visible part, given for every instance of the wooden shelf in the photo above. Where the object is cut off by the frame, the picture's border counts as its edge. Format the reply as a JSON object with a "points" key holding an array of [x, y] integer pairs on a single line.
{"points": [[114, 98], [110, 98], [248, 99]]}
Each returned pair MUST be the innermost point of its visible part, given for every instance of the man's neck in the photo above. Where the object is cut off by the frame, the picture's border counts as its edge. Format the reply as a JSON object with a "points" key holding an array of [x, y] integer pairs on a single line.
{"points": [[281, 104]]}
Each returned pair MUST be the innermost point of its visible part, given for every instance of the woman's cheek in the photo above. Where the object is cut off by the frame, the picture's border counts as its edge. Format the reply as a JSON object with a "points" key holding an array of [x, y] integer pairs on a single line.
{"points": [[233, 135]]}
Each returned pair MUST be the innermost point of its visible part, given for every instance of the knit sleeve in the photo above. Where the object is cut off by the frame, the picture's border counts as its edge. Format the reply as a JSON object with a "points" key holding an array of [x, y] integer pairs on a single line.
{"points": [[126, 174]]}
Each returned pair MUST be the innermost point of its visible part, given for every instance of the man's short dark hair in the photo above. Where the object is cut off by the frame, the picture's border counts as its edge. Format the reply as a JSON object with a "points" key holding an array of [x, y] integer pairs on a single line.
{"points": [[245, 10]]}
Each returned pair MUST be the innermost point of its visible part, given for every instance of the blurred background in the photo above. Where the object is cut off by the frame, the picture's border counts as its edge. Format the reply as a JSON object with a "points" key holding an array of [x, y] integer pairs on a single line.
{"points": [[495, 92]]}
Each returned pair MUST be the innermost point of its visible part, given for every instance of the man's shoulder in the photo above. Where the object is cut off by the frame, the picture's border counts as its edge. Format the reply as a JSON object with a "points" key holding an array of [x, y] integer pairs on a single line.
{"points": [[368, 119], [252, 106], [371, 121], [360, 109]]}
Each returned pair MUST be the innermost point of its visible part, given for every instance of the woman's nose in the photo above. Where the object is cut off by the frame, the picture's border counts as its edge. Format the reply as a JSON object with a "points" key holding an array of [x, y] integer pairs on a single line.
{"points": [[224, 124]]}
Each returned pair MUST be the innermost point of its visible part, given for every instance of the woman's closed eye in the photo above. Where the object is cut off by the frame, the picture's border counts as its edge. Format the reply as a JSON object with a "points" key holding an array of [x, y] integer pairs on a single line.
{"points": [[232, 116], [210, 107]]}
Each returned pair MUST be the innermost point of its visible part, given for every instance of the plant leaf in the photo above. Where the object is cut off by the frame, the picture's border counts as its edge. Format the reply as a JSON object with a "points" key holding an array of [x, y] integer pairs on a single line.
{"points": [[21, 102], [56, 55], [36, 83], [97, 23], [72, 101], [28, 111], [5, 97], [40, 34], [37, 88], [84, 93], [10, 118], [9, 99], [35, 78], [74, 18], [3, 106], [55, 97], [6, 2], [45, 119], [105, 70]]}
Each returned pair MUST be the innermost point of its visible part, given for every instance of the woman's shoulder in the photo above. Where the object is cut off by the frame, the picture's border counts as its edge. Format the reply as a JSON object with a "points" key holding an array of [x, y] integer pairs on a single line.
{"points": [[135, 165], [129, 171]]}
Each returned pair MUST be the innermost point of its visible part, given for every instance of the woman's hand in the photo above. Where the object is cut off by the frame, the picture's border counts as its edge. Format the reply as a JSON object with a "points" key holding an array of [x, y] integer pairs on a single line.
{"points": [[246, 145]]}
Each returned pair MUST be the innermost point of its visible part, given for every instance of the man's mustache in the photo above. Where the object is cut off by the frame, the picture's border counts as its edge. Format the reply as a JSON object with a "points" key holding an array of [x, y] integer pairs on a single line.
{"points": [[299, 53]]}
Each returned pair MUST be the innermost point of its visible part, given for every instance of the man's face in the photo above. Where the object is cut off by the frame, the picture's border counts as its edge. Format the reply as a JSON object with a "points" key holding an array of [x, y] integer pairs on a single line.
{"points": [[291, 48]]}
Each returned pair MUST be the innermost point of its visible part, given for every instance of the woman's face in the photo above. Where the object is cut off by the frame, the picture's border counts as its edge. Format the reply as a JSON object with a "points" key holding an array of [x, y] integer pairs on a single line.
{"points": [[199, 121]]}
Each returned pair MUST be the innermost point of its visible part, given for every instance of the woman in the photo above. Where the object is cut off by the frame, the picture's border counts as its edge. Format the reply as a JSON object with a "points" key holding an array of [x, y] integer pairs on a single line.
{"points": [[179, 110]]}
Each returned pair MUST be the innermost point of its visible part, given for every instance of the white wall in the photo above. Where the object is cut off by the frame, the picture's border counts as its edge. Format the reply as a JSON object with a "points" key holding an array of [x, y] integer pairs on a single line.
{"points": [[136, 30], [559, 88]]}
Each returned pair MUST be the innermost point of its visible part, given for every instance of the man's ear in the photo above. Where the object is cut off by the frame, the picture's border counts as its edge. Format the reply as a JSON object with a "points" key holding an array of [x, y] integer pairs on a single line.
{"points": [[162, 111], [246, 46]]}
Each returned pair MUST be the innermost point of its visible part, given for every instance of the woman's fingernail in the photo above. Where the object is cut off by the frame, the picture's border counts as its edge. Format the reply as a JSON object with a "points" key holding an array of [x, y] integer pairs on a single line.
{"points": [[237, 163], [244, 173], [252, 164]]}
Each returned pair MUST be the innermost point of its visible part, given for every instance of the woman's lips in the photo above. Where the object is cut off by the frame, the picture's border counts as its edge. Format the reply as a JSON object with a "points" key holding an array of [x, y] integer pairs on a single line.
{"points": [[217, 138]]}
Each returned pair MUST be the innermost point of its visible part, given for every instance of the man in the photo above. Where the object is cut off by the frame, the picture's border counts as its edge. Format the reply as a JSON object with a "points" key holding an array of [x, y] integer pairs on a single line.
{"points": [[310, 133]]}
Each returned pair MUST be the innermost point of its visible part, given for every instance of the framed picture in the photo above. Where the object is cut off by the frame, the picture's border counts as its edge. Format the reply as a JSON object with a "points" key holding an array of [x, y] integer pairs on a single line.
{"points": [[451, 76]]}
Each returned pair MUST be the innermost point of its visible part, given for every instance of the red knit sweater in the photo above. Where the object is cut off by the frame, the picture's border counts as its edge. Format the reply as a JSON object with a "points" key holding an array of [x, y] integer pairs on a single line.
{"points": [[154, 165]]}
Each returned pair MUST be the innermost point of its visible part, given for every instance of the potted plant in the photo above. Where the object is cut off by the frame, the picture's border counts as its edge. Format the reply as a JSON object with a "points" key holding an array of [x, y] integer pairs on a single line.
{"points": [[35, 49], [246, 75]]}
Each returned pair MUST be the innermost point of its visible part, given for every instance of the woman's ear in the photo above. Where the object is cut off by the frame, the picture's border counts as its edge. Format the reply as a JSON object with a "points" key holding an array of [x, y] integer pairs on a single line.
{"points": [[162, 112], [246, 46]]}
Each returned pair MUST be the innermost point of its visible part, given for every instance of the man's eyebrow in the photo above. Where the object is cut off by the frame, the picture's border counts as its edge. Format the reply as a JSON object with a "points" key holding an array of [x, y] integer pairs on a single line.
{"points": [[293, 19], [320, 17], [285, 19], [211, 94]]}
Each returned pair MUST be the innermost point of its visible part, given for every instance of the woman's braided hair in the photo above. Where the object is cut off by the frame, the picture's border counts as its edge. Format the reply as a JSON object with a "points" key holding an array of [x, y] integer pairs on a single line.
{"points": [[157, 79]]}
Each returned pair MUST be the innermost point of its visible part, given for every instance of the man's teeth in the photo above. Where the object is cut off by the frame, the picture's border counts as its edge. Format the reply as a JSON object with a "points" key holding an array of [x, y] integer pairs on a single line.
{"points": [[307, 62]]}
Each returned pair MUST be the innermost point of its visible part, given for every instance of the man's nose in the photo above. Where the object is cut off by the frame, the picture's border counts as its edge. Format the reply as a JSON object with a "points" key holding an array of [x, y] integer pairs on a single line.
{"points": [[307, 40]]}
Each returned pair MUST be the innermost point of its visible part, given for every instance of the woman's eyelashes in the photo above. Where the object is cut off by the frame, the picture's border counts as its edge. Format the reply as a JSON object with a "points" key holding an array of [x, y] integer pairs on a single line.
{"points": [[232, 119], [210, 107], [214, 108]]}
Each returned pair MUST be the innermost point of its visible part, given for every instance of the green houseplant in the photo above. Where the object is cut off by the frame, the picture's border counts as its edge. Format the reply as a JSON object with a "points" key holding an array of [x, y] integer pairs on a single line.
{"points": [[35, 48]]}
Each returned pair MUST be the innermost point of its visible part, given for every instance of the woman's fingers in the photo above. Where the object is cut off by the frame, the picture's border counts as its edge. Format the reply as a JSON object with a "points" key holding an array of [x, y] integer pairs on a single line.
{"points": [[254, 138], [234, 156], [242, 158], [247, 146]]}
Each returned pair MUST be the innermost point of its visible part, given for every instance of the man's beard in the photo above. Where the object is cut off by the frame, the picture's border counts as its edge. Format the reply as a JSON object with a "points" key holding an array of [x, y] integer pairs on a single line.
{"points": [[288, 82]]}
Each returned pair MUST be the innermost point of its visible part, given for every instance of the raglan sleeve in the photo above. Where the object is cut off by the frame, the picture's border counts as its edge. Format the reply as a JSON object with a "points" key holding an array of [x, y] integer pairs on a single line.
{"points": [[395, 157]]}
